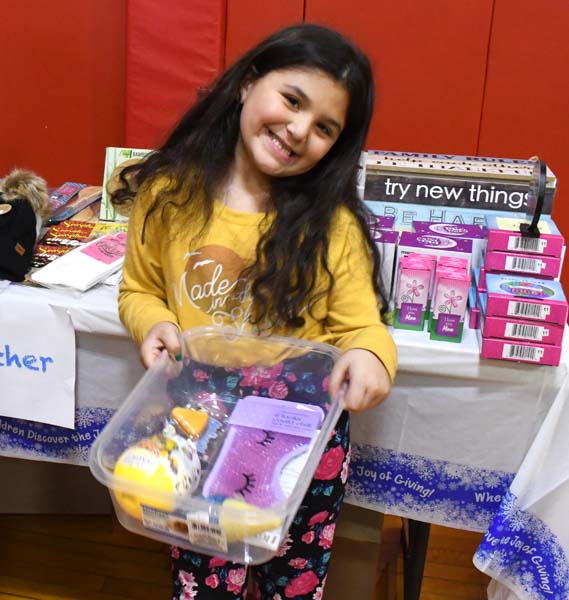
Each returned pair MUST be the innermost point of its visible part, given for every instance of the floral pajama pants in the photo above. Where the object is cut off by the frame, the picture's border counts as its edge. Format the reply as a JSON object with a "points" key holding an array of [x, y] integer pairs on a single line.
{"points": [[299, 569]]}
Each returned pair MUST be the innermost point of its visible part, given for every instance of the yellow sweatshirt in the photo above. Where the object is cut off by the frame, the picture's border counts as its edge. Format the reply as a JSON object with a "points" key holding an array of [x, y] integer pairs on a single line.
{"points": [[165, 279]]}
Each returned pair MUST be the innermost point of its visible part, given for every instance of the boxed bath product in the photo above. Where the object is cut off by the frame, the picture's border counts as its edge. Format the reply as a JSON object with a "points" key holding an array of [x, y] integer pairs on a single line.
{"points": [[476, 233], [525, 298], [530, 352], [382, 222], [435, 245], [215, 453], [474, 308], [479, 279], [504, 235], [411, 296], [448, 306], [523, 330], [386, 241], [537, 265]]}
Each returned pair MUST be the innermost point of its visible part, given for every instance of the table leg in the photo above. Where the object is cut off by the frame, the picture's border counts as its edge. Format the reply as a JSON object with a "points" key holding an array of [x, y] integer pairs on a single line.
{"points": [[414, 539]]}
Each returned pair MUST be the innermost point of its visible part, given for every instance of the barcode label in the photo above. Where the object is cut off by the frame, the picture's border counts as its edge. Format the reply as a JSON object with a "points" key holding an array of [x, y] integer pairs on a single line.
{"points": [[166, 522], [531, 353], [154, 518], [525, 332], [267, 539], [203, 533], [527, 265], [527, 244], [528, 309]]}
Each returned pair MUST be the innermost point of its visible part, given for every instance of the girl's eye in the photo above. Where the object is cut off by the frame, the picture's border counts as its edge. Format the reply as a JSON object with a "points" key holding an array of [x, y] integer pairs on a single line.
{"points": [[292, 100], [325, 129]]}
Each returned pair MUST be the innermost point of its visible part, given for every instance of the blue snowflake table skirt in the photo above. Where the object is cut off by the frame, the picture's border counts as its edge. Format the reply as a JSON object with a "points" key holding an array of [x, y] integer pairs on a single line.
{"points": [[526, 547], [37, 441], [523, 553], [433, 491]]}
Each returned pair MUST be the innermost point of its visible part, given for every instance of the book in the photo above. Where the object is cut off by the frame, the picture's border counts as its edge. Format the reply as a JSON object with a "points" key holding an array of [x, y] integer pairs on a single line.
{"points": [[84, 198], [113, 158], [84, 266], [63, 194], [63, 237]]}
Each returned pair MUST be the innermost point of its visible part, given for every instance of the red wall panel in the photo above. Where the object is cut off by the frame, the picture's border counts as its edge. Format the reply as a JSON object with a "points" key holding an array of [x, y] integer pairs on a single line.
{"points": [[429, 62], [174, 47], [526, 109], [62, 98], [249, 21]]}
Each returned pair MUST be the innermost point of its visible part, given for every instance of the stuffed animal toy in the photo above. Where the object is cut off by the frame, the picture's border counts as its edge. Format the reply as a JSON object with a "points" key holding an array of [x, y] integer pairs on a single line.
{"points": [[24, 204]]}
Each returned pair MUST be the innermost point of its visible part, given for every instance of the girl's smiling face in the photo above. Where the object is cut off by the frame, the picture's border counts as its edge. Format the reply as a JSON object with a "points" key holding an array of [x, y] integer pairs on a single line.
{"points": [[289, 120]]}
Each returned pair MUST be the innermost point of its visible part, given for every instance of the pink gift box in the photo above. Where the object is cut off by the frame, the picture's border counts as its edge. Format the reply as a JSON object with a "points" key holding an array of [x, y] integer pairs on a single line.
{"points": [[504, 234], [381, 222], [474, 309], [527, 331], [509, 241], [525, 298], [537, 354], [538, 266], [479, 276], [434, 245]]}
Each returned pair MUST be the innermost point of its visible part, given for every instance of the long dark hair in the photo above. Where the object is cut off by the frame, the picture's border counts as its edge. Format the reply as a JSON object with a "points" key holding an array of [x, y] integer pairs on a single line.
{"points": [[200, 150]]}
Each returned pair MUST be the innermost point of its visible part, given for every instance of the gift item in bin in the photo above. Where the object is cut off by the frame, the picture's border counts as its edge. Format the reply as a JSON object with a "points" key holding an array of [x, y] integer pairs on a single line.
{"points": [[264, 435], [218, 457], [166, 463]]}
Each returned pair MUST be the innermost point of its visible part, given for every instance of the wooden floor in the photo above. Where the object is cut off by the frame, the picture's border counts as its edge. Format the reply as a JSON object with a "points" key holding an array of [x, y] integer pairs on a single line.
{"points": [[449, 572], [44, 557]]}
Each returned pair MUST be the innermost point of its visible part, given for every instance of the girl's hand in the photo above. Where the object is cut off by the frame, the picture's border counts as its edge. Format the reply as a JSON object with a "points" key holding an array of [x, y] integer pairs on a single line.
{"points": [[163, 336], [367, 380]]}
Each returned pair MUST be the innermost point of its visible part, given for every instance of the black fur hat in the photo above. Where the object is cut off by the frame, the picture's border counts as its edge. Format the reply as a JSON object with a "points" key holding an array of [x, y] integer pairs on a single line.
{"points": [[24, 203], [17, 238]]}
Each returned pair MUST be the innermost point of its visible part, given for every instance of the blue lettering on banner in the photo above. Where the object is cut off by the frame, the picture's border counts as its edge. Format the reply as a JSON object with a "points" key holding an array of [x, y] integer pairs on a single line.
{"points": [[434, 491], [31, 362], [28, 439], [519, 548]]}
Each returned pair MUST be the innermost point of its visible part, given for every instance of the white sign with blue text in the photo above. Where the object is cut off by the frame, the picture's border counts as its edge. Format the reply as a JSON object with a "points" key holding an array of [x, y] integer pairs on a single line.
{"points": [[37, 363]]}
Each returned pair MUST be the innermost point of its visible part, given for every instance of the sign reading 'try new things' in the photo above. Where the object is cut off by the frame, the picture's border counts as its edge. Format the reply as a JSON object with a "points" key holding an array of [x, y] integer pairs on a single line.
{"points": [[37, 363]]}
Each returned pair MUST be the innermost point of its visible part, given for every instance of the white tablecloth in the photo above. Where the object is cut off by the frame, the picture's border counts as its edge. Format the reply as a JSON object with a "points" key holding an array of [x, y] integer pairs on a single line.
{"points": [[107, 368], [471, 444]]}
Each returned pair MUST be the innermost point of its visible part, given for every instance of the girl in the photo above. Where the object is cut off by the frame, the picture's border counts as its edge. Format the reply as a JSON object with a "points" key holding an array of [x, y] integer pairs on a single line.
{"points": [[248, 216]]}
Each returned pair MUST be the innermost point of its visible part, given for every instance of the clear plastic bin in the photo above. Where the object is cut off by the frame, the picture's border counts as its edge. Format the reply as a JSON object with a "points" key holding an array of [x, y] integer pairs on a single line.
{"points": [[216, 452]]}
